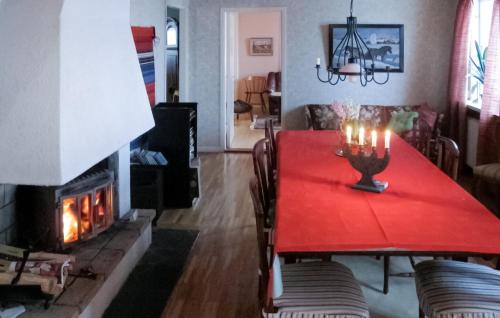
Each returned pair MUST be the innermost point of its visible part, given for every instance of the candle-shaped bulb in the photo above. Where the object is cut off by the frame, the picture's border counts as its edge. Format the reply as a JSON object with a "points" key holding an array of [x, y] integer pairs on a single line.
{"points": [[348, 133], [387, 139], [361, 136], [374, 139], [318, 61]]}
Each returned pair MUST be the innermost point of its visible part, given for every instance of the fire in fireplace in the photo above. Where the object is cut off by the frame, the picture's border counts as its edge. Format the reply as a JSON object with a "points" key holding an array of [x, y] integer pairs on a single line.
{"points": [[54, 218]]}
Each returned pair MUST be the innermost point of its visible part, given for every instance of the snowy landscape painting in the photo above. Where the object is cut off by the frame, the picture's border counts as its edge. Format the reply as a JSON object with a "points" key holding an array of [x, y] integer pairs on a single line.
{"points": [[385, 41]]}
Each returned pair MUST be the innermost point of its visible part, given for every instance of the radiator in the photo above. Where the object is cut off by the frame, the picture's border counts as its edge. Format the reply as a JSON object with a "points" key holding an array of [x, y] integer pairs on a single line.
{"points": [[472, 137]]}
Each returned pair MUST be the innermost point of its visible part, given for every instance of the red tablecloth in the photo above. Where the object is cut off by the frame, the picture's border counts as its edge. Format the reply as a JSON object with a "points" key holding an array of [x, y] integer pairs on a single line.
{"points": [[422, 210]]}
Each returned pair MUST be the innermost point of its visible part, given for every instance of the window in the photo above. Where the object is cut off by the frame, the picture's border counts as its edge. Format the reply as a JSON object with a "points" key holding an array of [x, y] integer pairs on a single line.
{"points": [[479, 33]]}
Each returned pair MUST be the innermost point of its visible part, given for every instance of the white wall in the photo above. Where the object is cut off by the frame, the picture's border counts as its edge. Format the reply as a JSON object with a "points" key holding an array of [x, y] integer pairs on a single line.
{"points": [[72, 92], [428, 39], [257, 24]]}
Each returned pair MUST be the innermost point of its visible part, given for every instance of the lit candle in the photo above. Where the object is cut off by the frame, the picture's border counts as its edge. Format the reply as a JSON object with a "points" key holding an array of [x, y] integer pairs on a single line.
{"points": [[374, 139], [361, 136], [318, 61], [348, 133], [387, 139]]}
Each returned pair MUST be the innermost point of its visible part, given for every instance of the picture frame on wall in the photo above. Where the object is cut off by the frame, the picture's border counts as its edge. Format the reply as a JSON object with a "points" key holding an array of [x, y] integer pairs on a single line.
{"points": [[385, 41], [261, 46]]}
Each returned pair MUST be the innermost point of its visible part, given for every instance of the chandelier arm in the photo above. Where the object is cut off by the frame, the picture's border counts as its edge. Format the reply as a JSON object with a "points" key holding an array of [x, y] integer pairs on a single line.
{"points": [[386, 79], [341, 45], [319, 77], [362, 60], [363, 43], [336, 82]]}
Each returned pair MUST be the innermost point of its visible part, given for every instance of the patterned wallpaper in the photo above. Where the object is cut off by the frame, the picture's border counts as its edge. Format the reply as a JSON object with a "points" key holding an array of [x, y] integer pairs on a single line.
{"points": [[428, 38]]}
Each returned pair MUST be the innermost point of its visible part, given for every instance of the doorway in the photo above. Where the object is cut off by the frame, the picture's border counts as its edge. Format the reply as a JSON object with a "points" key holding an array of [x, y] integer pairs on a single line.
{"points": [[253, 59], [172, 54]]}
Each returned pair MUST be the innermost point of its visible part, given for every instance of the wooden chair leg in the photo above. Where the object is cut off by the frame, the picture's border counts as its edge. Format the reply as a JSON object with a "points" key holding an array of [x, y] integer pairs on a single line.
{"points": [[263, 102], [387, 263]]}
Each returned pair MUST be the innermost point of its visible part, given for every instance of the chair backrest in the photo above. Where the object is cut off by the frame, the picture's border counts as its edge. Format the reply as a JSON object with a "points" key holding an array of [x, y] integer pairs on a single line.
{"points": [[262, 242], [263, 172], [273, 83], [255, 84], [448, 156], [496, 123], [269, 134]]}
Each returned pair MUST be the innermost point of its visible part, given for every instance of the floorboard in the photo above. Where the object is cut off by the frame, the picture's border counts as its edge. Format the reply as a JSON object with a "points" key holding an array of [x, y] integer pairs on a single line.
{"points": [[220, 278]]}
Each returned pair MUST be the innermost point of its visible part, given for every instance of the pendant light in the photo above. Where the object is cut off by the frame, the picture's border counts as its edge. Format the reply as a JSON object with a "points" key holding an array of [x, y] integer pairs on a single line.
{"points": [[351, 59]]}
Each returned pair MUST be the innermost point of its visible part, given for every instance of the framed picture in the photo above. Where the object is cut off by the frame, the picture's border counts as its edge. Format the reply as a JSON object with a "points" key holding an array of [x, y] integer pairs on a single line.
{"points": [[385, 41], [261, 46]]}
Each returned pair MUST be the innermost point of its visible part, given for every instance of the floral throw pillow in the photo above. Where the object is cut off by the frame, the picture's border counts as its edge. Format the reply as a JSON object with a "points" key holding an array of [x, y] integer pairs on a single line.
{"points": [[323, 117], [401, 121]]}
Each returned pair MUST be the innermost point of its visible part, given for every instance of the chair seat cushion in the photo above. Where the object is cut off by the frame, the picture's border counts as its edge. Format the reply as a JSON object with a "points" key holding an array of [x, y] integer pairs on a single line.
{"points": [[489, 172], [320, 289], [241, 107], [449, 289]]}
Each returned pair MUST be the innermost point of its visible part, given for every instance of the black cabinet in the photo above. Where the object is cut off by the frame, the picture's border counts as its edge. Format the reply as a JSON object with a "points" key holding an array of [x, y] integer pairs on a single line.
{"points": [[175, 136]]}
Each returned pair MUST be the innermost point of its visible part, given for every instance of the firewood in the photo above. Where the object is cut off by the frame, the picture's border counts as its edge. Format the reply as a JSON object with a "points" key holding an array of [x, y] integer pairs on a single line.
{"points": [[48, 285]]}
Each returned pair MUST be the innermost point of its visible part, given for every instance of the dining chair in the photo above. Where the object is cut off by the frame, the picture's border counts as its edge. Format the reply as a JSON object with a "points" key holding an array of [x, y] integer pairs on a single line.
{"points": [[457, 289], [255, 85], [312, 289], [448, 157], [490, 172], [269, 134], [447, 160], [265, 177]]}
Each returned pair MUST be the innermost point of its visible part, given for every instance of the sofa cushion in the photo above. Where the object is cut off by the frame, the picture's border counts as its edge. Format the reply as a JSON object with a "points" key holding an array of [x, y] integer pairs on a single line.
{"points": [[373, 116], [323, 117]]}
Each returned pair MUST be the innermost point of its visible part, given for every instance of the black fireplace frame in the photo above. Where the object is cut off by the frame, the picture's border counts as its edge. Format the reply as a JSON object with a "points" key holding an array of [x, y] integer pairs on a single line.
{"points": [[39, 210]]}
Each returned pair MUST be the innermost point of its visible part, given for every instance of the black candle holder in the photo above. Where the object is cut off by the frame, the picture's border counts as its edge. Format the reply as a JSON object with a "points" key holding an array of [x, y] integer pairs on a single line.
{"points": [[368, 164]]}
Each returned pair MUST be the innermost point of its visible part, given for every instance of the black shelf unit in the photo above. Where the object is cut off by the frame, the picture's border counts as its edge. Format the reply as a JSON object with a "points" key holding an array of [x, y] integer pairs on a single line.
{"points": [[175, 136]]}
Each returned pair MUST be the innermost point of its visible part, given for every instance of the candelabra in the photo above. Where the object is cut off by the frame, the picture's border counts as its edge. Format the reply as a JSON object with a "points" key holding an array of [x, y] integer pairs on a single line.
{"points": [[368, 164]]}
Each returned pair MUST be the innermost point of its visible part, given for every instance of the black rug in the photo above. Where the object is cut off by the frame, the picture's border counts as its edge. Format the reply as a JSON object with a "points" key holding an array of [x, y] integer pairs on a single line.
{"points": [[146, 291]]}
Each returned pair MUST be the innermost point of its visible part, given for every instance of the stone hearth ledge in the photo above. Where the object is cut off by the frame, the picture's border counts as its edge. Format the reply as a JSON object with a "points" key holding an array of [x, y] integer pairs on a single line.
{"points": [[112, 255]]}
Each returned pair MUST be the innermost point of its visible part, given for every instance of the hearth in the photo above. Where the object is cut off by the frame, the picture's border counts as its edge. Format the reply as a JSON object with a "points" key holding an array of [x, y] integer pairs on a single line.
{"points": [[56, 218]]}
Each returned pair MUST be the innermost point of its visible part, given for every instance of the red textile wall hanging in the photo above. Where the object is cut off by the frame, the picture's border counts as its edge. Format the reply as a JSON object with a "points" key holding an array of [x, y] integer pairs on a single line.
{"points": [[143, 38]]}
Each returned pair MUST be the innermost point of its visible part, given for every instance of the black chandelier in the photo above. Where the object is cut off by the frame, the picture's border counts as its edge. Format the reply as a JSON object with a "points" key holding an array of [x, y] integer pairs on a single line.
{"points": [[351, 59]]}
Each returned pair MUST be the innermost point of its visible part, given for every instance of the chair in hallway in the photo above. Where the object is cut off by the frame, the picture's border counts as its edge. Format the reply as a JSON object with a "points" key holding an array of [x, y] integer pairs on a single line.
{"points": [[457, 289], [241, 107], [325, 289], [255, 85]]}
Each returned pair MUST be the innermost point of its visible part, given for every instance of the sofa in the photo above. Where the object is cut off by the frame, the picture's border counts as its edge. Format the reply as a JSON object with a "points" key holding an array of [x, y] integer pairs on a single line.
{"points": [[426, 127]]}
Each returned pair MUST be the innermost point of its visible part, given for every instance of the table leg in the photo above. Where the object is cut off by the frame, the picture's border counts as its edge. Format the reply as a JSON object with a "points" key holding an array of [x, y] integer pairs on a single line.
{"points": [[387, 263]]}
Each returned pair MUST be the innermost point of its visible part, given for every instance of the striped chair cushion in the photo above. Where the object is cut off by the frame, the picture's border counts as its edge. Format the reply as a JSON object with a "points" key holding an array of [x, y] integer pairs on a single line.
{"points": [[448, 289], [490, 172], [320, 289]]}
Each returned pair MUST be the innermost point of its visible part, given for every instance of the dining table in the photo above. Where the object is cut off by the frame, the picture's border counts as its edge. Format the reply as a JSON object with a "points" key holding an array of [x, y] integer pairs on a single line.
{"points": [[423, 212]]}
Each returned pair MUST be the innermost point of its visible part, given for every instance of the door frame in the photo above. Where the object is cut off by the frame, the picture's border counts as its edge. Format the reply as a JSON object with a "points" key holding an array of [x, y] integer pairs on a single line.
{"points": [[224, 45]]}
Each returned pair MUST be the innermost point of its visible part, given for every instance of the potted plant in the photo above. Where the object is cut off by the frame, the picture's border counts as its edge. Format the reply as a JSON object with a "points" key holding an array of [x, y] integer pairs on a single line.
{"points": [[478, 68]]}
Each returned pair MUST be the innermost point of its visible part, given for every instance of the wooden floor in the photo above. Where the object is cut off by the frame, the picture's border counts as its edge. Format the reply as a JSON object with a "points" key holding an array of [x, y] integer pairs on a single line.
{"points": [[220, 278]]}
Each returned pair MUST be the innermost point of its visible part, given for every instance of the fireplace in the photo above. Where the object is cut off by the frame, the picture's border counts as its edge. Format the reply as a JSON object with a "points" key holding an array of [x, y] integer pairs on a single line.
{"points": [[56, 218]]}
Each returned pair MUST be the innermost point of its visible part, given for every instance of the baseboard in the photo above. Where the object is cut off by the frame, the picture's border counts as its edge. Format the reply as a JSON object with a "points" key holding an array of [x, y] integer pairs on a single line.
{"points": [[209, 149]]}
